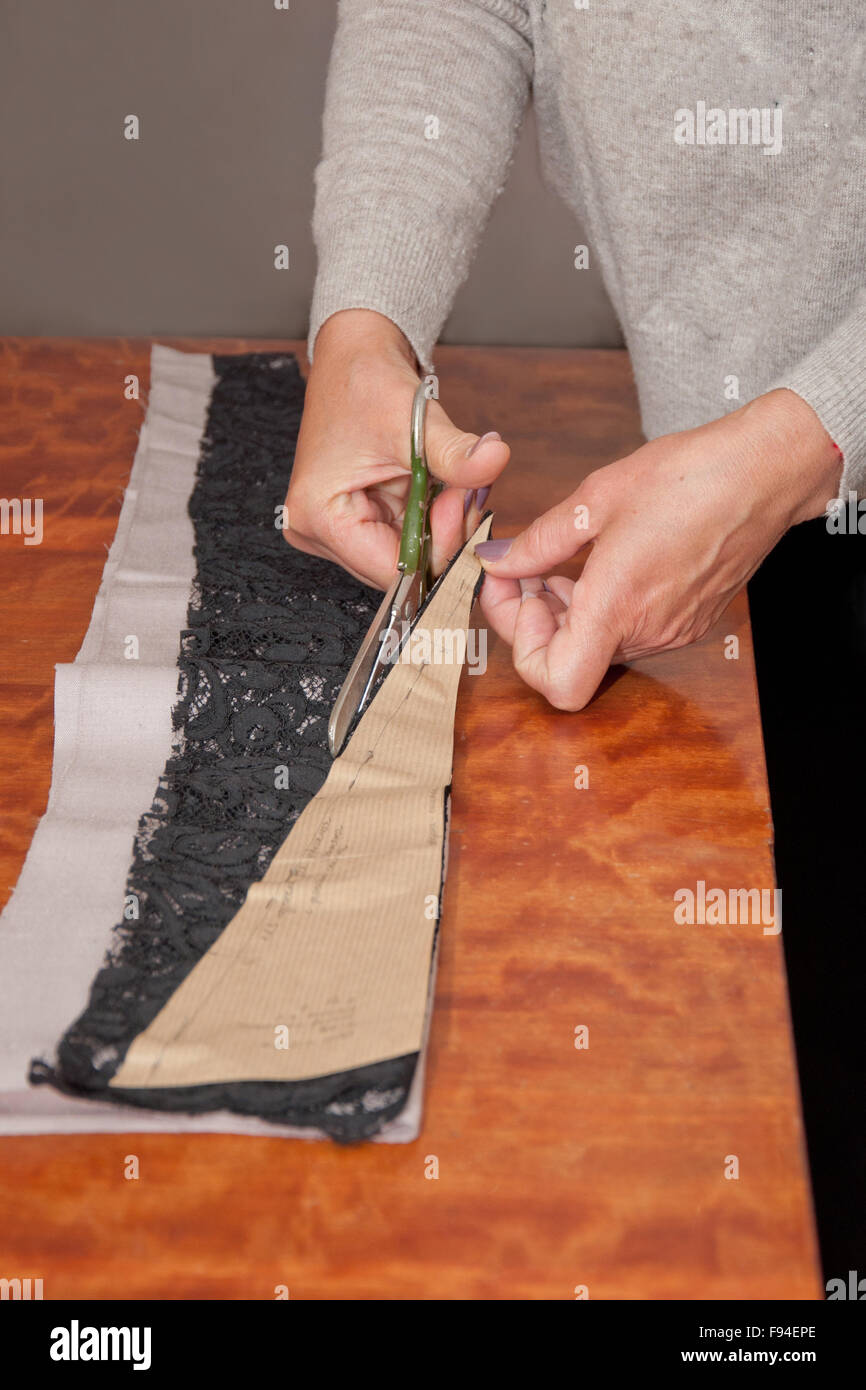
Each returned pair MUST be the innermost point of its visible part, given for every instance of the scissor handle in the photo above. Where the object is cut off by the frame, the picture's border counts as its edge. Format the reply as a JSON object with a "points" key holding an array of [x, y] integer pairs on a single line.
{"points": [[412, 540]]}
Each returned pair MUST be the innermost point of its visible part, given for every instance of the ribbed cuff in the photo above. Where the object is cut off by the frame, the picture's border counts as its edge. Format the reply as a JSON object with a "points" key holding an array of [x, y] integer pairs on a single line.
{"points": [[832, 380], [409, 278]]}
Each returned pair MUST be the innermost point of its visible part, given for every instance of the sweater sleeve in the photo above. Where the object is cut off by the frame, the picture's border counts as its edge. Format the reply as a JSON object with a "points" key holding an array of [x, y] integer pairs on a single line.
{"points": [[422, 109], [832, 380]]}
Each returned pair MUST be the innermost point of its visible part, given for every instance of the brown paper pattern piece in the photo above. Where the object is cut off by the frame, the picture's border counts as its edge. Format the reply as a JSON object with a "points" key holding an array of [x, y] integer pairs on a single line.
{"points": [[327, 964]]}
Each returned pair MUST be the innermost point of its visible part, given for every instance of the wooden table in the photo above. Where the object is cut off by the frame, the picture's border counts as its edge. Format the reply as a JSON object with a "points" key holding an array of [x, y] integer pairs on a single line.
{"points": [[559, 1167]]}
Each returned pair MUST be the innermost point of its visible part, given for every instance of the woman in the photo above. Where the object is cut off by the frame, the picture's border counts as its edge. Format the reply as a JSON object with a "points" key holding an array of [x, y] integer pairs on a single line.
{"points": [[716, 159]]}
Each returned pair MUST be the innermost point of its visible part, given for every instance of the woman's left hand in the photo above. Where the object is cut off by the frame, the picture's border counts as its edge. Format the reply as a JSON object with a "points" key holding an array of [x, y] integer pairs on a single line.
{"points": [[676, 529]]}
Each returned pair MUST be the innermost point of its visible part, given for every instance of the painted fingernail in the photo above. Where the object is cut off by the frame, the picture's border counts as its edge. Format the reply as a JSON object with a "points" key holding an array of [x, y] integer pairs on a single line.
{"points": [[491, 434], [492, 550], [467, 500], [481, 497]]}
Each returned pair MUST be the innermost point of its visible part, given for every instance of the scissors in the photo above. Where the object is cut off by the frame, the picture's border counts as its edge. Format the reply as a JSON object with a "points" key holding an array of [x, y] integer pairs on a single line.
{"points": [[408, 591]]}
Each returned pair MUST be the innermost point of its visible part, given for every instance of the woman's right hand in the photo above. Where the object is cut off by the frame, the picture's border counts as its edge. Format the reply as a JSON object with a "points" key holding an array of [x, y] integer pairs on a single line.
{"points": [[351, 473]]}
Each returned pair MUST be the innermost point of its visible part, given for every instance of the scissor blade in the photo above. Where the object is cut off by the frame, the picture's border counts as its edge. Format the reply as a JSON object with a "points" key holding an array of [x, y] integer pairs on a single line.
{"points": [[399, 605], [349, 698]]}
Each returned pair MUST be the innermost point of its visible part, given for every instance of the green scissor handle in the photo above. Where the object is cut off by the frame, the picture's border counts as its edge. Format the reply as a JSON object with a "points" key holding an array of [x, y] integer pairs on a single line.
{"points": [[415, 538]]}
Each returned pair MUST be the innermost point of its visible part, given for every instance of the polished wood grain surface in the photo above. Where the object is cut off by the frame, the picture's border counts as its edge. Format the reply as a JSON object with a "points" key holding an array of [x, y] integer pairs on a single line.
{"points": [[558, 1167]]}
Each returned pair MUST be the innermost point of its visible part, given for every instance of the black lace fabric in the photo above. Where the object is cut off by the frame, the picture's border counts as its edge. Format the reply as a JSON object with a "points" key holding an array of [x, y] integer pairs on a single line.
{"points": [[271, 635]]}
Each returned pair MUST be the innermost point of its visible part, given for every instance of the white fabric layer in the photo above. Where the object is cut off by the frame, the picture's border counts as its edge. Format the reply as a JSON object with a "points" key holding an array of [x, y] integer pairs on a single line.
{"points": [[112, 738]]}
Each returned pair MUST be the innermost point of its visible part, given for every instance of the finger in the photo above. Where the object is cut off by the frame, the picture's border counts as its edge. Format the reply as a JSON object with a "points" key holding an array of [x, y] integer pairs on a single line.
{"points": [[565, 663], [535, 627], [454, 516], [531, 586], [500, 601], [562, 587], [461, 459], [552, 538], [362, 541], [539, 589], [446, 527], [475, 501]]}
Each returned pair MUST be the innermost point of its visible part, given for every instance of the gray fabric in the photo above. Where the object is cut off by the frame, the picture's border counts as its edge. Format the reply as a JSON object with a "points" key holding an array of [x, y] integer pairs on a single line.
{"points": [[721, 260], [113, 734]]}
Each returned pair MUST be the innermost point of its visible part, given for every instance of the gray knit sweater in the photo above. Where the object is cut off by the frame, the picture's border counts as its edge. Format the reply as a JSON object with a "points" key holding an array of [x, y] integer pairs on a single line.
{"points": [[715, 152]]}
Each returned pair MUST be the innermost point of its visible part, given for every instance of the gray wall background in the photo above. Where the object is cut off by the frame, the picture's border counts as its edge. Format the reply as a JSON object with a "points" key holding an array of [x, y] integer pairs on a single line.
{"points": [[174, 233]]}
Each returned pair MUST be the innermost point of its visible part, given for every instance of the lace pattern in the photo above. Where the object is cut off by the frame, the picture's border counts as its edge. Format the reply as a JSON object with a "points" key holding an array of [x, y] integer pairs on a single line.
{"points": [[271, 635]]}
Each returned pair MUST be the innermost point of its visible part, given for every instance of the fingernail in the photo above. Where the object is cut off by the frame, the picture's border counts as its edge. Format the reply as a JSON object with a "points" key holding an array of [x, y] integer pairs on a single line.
{"points": [[528, 593], [467, 500], [546, 587], [481, 497], [491, 434], [492, 550]]}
